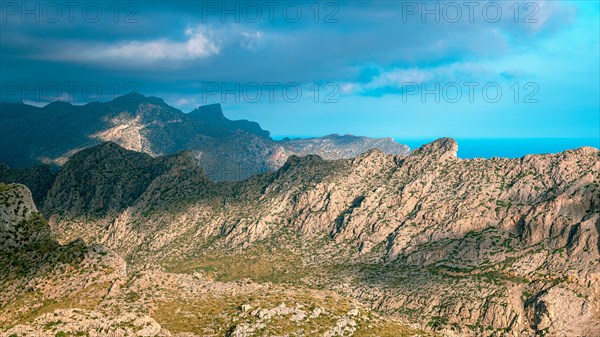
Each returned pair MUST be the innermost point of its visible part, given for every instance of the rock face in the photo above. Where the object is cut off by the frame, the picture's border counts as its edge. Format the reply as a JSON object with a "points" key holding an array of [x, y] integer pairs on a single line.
{"points": [[225, 149], [18, 226], [75, 321]]}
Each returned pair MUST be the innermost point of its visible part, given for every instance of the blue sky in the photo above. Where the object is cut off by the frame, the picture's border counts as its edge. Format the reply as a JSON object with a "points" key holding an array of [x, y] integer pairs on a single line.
{"points": [[370, 60]]}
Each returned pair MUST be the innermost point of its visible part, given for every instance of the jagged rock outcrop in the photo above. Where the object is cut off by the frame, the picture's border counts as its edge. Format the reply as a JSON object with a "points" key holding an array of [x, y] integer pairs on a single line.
{"points": [[20, 225], [225, 149], [75, 322]]}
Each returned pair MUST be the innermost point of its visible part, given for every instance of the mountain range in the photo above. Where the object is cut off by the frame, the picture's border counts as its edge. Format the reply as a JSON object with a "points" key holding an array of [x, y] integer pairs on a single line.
{"points": [[375, 245], [225, 149]]}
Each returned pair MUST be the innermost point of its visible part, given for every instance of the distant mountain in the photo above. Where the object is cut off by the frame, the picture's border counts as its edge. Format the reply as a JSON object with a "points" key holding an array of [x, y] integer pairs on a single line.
{"points": [[212, 115], [225, 149], [334, 146], [465, 247]]}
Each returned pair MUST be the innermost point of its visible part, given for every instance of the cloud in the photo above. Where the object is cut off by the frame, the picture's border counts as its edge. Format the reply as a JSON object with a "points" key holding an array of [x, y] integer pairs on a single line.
{"points": [[199, 43], [393, 80], [252, 40], [370, 47]]}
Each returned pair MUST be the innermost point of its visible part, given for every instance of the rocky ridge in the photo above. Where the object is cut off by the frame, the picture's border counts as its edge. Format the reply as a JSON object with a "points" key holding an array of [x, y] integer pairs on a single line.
{"points": [[465, 247]]}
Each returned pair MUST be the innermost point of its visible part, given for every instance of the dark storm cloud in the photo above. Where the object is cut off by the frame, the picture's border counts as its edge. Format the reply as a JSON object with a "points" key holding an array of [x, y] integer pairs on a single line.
{"points": [[180, 44]]}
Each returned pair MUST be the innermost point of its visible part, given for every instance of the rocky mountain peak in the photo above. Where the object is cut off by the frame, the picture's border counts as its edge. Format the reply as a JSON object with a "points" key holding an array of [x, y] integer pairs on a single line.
{"points": [[212, 115], [107, 150], [441, 149], [17, 203], [212, 112], [19, 223], [135, 97], [586, 150], [371, 156], [132, 102], [372, 153]]}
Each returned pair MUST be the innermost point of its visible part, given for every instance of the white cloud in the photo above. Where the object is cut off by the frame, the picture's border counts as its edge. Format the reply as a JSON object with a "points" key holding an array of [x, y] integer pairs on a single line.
{"points": [[199, 43], [251, 40], [443, 74], [396, 77]]}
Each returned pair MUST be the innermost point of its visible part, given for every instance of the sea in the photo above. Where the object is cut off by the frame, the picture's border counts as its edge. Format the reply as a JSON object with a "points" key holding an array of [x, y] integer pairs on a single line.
{"points": [[469, 148], [509, 147]]}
